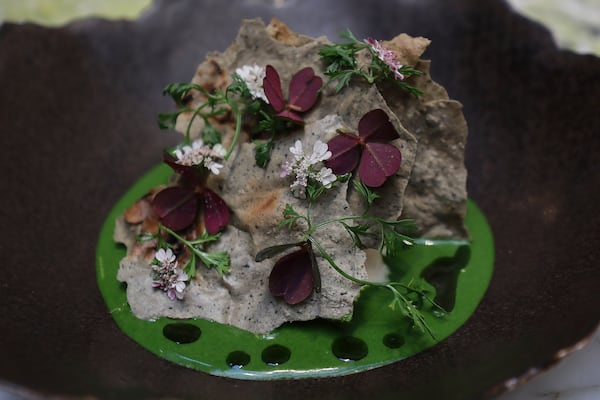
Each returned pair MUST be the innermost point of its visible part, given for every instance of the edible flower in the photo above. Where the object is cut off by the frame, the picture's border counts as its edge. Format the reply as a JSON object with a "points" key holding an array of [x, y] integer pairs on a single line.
{"points": [[166, 276], [253, 76], [199, 154], [387, 56], [304, 167]]}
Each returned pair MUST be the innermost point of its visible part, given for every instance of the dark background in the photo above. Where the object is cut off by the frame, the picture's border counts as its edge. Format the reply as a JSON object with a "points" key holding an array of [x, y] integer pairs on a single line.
{"points": [[78, 108]]}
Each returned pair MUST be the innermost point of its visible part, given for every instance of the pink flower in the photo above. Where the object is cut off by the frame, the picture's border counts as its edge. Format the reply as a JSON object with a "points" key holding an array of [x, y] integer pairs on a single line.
{"points": [[166, 276], [387, 56]]}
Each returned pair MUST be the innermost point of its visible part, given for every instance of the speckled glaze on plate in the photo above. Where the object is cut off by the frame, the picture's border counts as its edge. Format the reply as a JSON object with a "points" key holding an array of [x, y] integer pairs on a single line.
{"points": [[78, 109]]}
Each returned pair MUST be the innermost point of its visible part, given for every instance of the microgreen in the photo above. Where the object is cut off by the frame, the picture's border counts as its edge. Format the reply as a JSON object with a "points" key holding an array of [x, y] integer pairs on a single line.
{"points": [[254, 92], [290, 217], [267, 127], [303, 93], [376, 159], [217, 104], [262, 152], [218, 261], [341, 60]]}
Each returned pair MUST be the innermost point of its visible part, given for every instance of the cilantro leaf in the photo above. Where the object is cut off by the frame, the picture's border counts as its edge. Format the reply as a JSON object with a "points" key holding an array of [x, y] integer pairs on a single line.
{"points": [[262, 152]]}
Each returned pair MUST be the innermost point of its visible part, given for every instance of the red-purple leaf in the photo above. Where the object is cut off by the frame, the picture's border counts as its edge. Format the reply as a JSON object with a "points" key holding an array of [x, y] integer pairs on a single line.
{"points": [[190, 173], [304, 89], [292, 277], [345, 153], [272, 251], [272, 88], [176, 207], [291, 115], [375, 126], [303, 92], [216, 212], [378, 161]]}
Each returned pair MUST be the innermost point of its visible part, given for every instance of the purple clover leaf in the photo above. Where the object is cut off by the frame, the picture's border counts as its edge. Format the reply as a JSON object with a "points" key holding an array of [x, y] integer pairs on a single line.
{"points": [[371, 151], [295, 275], [303, 93], [178, 206]]}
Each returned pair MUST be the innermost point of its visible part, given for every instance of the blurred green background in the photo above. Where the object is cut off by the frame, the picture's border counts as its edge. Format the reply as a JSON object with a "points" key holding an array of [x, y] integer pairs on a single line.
{"points": [[59, 12], [575, 24]]}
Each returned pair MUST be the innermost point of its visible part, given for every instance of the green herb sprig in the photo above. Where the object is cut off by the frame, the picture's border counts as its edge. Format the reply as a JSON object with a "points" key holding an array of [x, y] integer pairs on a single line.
{"points": [[219, 261], [236, 98], [217, 104], [393, 240], [341, 60]]}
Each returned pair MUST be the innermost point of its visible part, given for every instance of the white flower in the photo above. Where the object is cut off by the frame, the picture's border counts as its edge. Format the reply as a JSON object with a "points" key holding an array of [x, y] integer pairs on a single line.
{"points": [[304, 167], [297, 150], [213, 166], [219, 151], [320, 152], [253, 77], [326, 177], [166, 276], [165, 257], [178, 286], [200, 154]]}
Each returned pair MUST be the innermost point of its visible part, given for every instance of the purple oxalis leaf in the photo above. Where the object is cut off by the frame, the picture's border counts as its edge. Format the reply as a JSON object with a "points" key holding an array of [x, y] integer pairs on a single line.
{"points": [[376, 159], [176, 207], [303, 92], [272, 88], [304, 89], [292, 276], [190, 173], [375, 126], [216, 212], [345, 153]]}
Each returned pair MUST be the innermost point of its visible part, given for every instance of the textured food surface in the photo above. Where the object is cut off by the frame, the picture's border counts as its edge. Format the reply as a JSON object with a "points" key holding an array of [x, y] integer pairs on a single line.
{"points": [[257, 196]]}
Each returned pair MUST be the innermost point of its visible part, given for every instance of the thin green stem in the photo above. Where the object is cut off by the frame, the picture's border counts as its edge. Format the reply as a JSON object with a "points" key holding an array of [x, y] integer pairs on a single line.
{"points": [[331, 262], [194, 115], [406, 304], [176, 236], [339, 220], [238, 130]]}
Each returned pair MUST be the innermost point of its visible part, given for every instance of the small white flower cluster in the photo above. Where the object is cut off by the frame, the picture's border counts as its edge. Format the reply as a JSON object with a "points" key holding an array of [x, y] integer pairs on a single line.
{"points": [[166, 276], [303, 167], [200, 154], [253, 77], [387, 56]]}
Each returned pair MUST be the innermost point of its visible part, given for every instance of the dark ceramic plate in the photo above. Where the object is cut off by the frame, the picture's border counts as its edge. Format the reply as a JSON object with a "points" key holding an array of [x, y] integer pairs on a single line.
{"points": [[78, 107]]}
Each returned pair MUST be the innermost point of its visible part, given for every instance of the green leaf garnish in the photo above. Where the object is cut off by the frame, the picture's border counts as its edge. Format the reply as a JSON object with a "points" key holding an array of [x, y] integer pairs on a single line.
{"points": [[168, 120], [262, 153], [368, 194]]}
